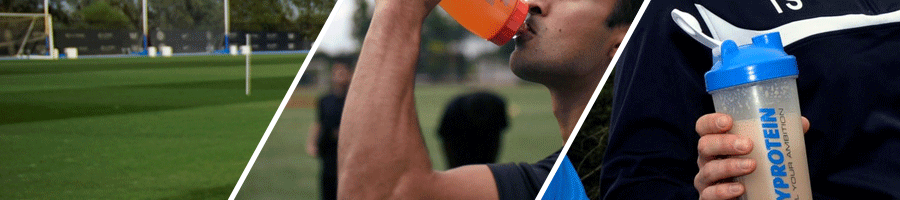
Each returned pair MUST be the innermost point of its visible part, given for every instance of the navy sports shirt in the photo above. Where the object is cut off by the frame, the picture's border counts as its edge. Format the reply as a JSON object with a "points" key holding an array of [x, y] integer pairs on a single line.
{"points": [[522, 180], [848, 52]]}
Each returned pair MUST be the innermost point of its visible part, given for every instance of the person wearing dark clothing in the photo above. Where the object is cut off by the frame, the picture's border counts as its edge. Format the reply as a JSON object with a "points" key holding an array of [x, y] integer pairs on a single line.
{"points": [[323, 134], [330, 108], [472, 127], [849, 90]]}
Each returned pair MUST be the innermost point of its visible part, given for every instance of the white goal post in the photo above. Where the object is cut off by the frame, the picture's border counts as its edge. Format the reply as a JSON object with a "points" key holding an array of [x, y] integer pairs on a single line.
{"points": [[23, 29]]}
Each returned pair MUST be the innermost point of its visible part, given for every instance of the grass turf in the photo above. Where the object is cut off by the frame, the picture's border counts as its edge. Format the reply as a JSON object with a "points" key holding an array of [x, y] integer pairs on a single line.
{"points": [[284, 171], [134, 128], [181, 128]]}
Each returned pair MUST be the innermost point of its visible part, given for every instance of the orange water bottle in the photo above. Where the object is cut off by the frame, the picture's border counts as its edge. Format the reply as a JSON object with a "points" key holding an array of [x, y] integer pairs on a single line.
{"points": [[494, 20]]}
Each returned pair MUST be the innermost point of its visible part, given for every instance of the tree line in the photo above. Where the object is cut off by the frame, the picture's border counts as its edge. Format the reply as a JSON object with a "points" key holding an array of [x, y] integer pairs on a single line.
{"points": [[305, 16]]}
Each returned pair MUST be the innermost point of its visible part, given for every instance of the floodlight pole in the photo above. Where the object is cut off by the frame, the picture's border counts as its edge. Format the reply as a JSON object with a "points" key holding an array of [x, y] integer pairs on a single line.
{"points": [[227, 26], [144, 16], [226, 17]]}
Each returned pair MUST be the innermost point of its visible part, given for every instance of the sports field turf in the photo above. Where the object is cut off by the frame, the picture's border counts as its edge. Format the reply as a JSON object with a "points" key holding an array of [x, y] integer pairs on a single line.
{"points": [[182, 128], [134, 128], [284, 171]]}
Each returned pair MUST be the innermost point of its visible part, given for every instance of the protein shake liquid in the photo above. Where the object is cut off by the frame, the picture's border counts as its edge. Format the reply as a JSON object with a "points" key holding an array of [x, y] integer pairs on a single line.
{"points": [[493, 20], [756, 85]]}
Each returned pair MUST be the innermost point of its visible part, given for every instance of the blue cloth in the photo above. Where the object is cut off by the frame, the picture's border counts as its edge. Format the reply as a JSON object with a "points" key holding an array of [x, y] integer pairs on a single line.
{"points": [[566, 184]]}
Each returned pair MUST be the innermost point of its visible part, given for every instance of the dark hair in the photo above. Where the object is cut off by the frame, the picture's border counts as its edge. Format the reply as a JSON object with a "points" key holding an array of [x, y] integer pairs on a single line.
{"points": [[348, 60], [623, 13], [471, 128]]}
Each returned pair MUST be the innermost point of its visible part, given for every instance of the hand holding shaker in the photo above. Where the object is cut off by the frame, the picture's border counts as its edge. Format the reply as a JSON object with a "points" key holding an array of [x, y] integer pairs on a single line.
{"points": [[494, 20], [756, 85]]}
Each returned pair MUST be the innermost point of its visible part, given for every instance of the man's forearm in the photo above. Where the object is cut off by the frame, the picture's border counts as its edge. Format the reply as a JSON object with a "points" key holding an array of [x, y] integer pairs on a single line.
{"points": [[380, 144]]}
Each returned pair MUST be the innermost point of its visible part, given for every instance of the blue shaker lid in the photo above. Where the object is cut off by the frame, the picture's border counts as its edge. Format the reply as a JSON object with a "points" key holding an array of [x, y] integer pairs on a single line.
{"points": [[764, 59]]}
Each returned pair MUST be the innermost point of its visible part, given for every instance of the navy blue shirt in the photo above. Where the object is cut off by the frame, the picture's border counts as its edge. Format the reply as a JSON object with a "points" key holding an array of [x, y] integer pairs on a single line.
{"points": [[848, 54], [522, 180], [329, 110]]}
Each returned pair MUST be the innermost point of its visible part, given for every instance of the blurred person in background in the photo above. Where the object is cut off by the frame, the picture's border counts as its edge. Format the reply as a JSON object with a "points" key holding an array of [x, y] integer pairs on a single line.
{"points": [[323, 134], [472, 127]]}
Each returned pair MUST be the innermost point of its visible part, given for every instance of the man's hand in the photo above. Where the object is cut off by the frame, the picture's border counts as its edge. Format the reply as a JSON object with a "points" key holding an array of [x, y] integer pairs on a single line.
{"points": [[715, 149], [312, 148]]}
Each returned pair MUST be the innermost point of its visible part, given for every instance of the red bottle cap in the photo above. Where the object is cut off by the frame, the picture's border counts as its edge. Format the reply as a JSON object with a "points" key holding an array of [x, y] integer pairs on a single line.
{"points": [[512, 24]]}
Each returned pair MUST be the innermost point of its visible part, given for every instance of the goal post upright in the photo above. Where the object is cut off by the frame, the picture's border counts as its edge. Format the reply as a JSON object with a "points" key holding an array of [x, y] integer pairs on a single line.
{"points": [[48, 28]]}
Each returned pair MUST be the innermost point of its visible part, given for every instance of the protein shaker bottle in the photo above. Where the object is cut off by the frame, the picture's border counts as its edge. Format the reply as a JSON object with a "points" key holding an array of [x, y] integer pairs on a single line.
{"points": [[494, 20], [756, 85]]}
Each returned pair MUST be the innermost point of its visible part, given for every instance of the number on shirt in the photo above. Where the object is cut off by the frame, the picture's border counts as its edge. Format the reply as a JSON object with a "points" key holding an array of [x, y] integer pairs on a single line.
{"points": [[791, 4]]}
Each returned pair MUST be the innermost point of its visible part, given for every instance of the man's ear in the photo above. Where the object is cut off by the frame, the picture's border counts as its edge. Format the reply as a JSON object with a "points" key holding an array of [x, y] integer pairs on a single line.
{"points": [[618, 34]]}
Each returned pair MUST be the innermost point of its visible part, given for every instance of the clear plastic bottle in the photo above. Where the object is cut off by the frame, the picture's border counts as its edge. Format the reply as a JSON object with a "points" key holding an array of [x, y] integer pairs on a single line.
{"points": [[756, 85], [494, 20]]}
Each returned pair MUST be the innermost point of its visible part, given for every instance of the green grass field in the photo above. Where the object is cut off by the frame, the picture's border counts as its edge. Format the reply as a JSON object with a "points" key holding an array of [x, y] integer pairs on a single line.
{"points": [[284, 171], [134, 128], [182, 128]]}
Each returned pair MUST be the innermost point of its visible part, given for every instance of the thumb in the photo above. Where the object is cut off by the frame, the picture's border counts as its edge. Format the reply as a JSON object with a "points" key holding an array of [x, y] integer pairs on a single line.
{"points": [[805, 124]]}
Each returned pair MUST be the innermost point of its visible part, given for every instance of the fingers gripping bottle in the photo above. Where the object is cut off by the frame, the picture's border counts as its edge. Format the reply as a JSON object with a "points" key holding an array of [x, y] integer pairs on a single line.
{"points": [[494, 20], [756, 85]]}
